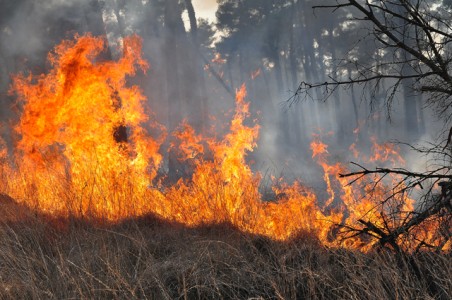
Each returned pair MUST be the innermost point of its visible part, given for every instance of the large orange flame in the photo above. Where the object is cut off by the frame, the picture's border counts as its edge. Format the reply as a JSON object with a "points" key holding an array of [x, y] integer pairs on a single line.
{"points": [[67, 132], [69, 160]]}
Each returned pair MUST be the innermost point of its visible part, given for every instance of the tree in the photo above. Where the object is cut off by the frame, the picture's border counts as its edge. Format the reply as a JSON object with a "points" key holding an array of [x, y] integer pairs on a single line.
{"points": [[412, 53], [197, 88], [253, 38], [414, 37]]}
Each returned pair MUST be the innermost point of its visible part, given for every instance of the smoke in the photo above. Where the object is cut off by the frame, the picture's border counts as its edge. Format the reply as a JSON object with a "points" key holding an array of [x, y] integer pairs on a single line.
{"points": [[181, 85], [29, 26]]}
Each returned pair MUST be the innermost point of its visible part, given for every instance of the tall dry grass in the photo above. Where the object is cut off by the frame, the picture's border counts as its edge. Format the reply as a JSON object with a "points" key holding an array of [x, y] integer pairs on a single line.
{"points": [[152, 259]]}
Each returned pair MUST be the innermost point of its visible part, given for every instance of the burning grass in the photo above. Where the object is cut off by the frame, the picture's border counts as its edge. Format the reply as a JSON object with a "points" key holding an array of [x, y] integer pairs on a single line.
{"points": [[84, 151]]}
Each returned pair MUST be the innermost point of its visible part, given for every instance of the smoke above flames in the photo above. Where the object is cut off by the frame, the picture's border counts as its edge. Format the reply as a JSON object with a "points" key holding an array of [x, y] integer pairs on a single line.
{"points": [[98, 131], [68, 160]]}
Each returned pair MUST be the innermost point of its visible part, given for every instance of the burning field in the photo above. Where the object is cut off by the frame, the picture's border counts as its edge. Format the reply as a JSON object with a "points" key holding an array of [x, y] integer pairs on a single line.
{"points": [[83, 149], [88, 150]]}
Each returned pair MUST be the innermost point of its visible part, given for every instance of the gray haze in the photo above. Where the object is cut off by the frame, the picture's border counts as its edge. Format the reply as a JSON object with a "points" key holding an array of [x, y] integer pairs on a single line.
{"points": [[271, 46]]}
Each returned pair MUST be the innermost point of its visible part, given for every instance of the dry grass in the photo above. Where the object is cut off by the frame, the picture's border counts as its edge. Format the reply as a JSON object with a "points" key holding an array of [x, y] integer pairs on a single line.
{"points": [[152, 259]]}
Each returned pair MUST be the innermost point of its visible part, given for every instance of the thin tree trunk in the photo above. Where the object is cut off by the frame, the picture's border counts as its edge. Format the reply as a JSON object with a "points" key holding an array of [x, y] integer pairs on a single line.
{"points": [[198, 101], [173, 32], [192, 19]]}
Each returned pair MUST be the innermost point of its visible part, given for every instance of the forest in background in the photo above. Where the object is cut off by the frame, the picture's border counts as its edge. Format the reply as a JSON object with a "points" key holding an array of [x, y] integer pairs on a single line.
{"points": [[276, 48], [271, 46]]}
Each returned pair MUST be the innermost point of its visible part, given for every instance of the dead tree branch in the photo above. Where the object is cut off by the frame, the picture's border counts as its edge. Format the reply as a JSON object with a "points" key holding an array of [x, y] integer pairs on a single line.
{"points": [[413, 40], [419, 38]]}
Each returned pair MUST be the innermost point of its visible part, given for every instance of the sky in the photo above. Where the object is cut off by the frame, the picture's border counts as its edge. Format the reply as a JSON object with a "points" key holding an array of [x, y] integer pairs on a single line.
{"points": [[205, 9]]}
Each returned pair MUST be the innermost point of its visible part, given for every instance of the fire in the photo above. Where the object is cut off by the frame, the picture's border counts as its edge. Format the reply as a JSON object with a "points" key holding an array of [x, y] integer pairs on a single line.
{"points": [[84, 149], [385, 152], [68, 126]]}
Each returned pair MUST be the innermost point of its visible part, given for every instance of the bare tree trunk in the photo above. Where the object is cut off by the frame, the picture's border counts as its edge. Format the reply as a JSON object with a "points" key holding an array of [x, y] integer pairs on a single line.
{"points": [[192, 19], [174, 30], [410, 98], [197, 85]]}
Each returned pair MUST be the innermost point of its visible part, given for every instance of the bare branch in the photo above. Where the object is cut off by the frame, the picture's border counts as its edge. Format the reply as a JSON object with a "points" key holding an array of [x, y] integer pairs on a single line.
{"points": [[412, 46], [384, 171]]}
